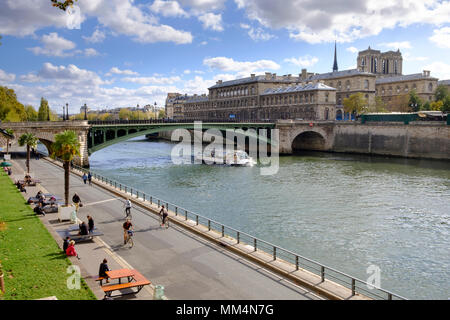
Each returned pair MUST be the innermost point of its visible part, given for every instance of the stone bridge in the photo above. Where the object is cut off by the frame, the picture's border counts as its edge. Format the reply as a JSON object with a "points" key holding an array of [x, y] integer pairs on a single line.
{"points": [[420, 139]]}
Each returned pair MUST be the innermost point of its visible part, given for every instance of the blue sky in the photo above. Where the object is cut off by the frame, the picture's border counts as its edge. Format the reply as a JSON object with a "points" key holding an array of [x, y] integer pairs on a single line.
{"points": [[120, 53]]}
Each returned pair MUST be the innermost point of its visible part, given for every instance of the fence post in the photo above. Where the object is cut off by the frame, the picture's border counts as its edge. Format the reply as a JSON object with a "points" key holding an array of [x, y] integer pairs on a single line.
{"points": [[196, 220], [209, 225], [143, 195], [353, 287], [176, 211], [223, 231], [151, 200], [296, 262], [238, 237], [274, 253], [322, 273], [254, 244], [158, 203], [185, 214]]}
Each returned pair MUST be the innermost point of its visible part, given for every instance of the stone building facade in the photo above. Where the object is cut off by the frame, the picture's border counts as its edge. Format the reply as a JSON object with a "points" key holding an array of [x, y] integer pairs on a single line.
{"points": [[391, 87], [272, 97], [382, 64]]}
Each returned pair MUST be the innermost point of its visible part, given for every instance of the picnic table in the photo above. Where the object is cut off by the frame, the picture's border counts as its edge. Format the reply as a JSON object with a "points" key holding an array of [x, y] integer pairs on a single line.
{"points": [[135, 280]]}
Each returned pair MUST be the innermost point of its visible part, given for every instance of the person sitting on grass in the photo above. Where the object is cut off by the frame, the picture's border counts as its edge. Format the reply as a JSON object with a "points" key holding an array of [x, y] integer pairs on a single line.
{"points": [[71, 252], [102, 270]]}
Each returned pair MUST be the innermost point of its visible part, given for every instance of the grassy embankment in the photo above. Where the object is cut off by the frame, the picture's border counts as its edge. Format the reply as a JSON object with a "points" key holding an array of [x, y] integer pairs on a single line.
{"points": [[33, 265]]}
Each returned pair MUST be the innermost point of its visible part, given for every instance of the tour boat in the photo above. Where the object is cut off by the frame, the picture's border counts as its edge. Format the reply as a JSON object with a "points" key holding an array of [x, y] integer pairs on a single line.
{"points": [[237, 158]]}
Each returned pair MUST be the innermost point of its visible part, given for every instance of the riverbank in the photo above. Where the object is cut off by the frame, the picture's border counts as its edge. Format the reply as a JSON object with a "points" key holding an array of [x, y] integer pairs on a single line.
{"points": [[34, 266]]}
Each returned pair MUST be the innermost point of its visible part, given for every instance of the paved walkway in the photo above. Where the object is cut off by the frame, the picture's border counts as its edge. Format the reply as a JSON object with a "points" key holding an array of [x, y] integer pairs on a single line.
{"points": [[188, 266]]}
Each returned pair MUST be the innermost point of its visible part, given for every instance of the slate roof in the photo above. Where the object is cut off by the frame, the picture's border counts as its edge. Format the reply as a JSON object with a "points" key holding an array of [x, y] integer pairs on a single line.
{"points": [[298, 88], [414, 76]]}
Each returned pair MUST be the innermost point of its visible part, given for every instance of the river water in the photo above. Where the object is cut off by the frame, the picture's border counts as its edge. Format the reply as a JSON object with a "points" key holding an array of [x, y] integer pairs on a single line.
{"points": [[346, 211]]}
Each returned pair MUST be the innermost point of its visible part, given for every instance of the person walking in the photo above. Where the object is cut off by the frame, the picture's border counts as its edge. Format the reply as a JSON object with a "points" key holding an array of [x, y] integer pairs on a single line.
{"points": [[77, 201], [85, 178], [163, 213], [102, 270], [89, 178], [90, 224], [128, 207]]}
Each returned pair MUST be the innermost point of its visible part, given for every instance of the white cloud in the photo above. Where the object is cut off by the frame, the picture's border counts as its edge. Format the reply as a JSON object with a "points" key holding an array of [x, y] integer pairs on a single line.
{"points": [[396, 45], [199, 6], [91, 52], [303, 62], [228, 64], [54, 45], [441, 37], [70, 73], [96, 37], [344, 20], [115, 70], [125, 17], [152, 80], [352, 50], [408, 57], [258, 34], [211, 21], [439, 70], [168, 8], [6, 77]]}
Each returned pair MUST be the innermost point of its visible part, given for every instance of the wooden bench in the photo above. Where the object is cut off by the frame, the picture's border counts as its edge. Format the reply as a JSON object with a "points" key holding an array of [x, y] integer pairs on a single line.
{"points": [[139, 282], [100, 279], [80, 238]]}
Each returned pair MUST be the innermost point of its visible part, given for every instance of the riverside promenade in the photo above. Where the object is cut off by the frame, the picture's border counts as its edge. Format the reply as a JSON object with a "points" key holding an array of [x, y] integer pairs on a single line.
{"points": [[187, 265]]}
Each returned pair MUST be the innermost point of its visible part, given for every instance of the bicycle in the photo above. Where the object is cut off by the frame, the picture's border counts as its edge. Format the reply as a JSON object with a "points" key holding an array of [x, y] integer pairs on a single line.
{"points": [[130, 238], [166, 224]]}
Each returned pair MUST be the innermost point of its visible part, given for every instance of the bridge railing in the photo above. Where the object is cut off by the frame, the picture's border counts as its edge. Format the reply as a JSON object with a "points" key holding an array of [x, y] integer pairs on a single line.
{"points": [[254, 244], [156, 121]]}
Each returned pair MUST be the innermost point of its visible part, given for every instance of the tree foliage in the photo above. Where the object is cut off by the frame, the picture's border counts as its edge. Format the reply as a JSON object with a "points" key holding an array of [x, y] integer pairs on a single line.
{"points": [[62, 4], [414, 101], [10, 108], [356, 103], [440, 93], [30, 141]]}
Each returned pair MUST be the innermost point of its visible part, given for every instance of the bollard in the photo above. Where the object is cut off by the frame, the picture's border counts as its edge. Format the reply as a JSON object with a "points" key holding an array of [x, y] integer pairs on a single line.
{"points": [[158, 292]]}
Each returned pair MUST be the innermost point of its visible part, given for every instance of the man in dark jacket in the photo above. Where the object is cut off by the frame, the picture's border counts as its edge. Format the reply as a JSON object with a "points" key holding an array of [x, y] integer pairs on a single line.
{"points": [[83, 229], [90, 224], [66, 243], [102, 270]]}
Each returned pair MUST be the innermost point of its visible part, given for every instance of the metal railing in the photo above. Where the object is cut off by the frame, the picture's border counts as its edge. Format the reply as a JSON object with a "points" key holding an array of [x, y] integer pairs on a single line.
{"points": [[255, 244], [175, 121]]}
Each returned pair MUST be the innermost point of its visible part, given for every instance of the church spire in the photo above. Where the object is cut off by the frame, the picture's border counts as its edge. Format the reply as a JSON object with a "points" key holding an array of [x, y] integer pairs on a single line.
{"points": [[335, 65]]}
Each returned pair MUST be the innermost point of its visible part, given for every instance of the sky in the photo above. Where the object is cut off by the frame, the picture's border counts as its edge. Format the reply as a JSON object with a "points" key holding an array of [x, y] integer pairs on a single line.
{"points": [[121, 53]]}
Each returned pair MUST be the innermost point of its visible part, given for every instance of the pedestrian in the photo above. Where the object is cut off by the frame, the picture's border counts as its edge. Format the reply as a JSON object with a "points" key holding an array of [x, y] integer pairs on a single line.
{"points": [[66, 244], [127, 207], [102, 270], [90, 178], [90, 224], [85, 178], [70, 251], [77, 201], [83, 229]]}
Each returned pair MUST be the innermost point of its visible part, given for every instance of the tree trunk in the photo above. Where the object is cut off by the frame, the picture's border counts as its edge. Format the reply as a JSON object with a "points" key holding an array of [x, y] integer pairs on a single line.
{"points": [[66, 182], [28, 158]]}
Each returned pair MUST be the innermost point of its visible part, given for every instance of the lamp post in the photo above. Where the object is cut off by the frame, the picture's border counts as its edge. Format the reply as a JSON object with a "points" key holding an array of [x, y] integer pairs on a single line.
{"points": [[85, 112], [48, 113], [67, 111], [64, 113]]}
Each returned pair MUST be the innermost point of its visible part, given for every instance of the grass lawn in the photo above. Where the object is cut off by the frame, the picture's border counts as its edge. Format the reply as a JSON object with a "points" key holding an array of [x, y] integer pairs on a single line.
{"points": [[33, 265]]}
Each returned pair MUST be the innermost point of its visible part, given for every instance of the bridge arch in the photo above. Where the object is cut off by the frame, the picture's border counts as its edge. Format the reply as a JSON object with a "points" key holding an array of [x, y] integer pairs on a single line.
{"points": [[309, 138]]}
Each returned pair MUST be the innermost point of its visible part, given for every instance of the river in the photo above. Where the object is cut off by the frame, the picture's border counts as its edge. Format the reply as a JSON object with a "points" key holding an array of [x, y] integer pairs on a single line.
{"points": [[346, 211]]}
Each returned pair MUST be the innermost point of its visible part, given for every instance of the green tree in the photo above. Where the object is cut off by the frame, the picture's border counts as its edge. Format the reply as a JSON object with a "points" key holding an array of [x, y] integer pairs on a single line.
{"points": [[356, 103], [446, 105], [31, 113], [414, 101], [125, 114], [30, 141], [44, 109], [378, 106], [441, 93], [162, 113], [426, 106], [66, 147], [10, 108], [436, 105]]}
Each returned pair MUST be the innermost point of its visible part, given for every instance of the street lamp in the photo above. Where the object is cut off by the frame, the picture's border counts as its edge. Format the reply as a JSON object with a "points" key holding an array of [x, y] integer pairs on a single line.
{"points": [[48, 113], [85, 112], [64, 113], [67, 111]]}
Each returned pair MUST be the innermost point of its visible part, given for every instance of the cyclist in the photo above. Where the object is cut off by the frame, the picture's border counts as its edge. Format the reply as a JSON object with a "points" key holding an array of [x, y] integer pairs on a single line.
{"points": [[163, 213], [127, 226], [127, 207]]}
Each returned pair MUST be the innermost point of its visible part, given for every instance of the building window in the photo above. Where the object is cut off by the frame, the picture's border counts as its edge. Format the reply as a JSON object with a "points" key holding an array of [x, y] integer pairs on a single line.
{"points": [[326, 97], [366, 84], [347, 85], [430, 87]]}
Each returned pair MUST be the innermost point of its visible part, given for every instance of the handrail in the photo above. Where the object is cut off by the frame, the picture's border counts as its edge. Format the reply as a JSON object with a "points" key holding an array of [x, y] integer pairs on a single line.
{"points": [[319, 269]]}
